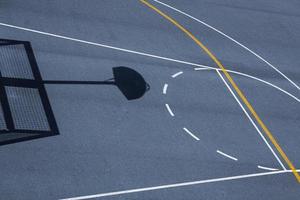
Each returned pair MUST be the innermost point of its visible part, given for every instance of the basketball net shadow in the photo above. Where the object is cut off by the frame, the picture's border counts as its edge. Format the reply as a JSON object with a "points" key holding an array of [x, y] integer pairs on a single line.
{"points": [[25, 110]]}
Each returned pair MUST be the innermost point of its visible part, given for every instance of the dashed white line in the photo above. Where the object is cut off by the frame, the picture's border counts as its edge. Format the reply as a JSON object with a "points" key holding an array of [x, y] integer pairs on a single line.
{"points": [[226, 155], [190, 133], [177, 185], [177, 74], [165, 88], [251, 120], [230, 38], [204, 68], [267, 168], [127, 51], [169, 110]]}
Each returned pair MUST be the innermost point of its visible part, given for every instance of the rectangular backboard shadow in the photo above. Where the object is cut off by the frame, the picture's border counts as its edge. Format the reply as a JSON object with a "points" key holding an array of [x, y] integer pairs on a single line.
{"points": [[25, 110]]}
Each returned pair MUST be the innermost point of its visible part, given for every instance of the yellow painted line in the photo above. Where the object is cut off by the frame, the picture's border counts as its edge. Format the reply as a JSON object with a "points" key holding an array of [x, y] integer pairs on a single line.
{"points": [[234, 85]]}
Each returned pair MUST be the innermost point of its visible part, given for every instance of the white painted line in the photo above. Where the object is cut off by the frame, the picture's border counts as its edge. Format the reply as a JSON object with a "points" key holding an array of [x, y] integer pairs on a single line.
{"points": [[190, 133], [177, 74], [230, 38], [263, 81], [226, 155], [165, 88], [169, 109], [135, 52], [177, 185], [267, 168], [204, 68], [252, 122], [100, 45], [252, 77]]}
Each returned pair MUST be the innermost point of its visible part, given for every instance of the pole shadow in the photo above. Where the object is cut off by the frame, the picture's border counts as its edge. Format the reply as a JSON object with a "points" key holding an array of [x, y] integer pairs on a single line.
{"points": [[25, 110]]}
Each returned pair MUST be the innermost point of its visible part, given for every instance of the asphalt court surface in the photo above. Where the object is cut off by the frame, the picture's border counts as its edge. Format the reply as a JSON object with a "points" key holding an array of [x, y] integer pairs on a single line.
{"points": [[178, 131]]}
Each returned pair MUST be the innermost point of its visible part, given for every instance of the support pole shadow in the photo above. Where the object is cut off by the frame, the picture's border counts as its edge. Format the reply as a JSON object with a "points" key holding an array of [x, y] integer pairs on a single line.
{"points": [[130, 82]]}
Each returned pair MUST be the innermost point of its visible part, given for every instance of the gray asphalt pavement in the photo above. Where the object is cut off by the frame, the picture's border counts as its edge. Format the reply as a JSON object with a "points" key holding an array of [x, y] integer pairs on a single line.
{"points": [[109, 144]]}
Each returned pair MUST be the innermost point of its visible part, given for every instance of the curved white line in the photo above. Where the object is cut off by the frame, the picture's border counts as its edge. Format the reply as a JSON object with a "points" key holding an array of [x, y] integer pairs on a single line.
{"points": [[127, 51], [267, 168], [177, 74], [169, 110], [263, 81], [165, 88], [252, 77], [190, 133], [230, 38], [226, 155]]}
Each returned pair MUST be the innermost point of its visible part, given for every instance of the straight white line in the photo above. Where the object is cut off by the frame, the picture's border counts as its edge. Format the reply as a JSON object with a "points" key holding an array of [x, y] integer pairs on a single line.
{"points": [[252, 122], [252, 77], [190, 133], [131, 51], [226, 155], [165, 88], [202, 68], [176, 185], [100, 45], [263, 81], [169, 109], [177, 74], [267, 168], [230, 38]]}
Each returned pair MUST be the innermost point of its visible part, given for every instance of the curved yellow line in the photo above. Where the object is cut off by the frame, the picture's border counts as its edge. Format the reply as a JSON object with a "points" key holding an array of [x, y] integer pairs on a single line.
{"points": [[234, 85]]}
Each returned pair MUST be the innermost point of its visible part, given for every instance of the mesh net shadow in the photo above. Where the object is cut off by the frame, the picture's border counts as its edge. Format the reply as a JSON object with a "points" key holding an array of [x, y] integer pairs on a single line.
{"points": [[25, 111]]}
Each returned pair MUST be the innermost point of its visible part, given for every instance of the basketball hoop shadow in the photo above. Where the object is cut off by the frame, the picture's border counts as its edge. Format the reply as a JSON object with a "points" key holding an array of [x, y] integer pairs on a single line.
{"points": [[130, 82], [25, 110]]}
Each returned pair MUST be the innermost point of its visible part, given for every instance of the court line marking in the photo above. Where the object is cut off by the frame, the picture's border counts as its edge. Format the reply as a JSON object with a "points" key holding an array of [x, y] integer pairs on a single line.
{"points": [[203, 69], [226, 155], [169, 110], [125, 50], [159, 57], [267, 168], [109, 47], [230, 38], [177, 74], [177, 185], [251, 120], [190, 133], [232, 82], [165, 89], [100, 45], [255, 78]]}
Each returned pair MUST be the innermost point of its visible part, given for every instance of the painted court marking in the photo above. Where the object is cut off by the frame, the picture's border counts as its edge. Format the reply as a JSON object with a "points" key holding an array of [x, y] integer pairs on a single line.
{"points": [[110, 47], [230, 38], [177, 185], [190, 133], [165, 88], [248, 116], [125, 50], [251, 120], [226, 155], [177, 74], [163, 186], [232, 82], [267, 168], [130, 51], [169, 110], [252, 77], [100, 45]]}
